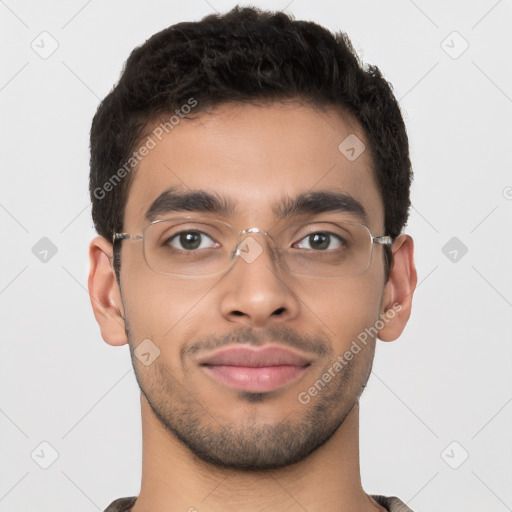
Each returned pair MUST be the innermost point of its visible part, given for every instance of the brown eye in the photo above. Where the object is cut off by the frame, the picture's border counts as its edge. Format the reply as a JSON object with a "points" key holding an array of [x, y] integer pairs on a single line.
{"points": [[190, 241], [320, 241]]}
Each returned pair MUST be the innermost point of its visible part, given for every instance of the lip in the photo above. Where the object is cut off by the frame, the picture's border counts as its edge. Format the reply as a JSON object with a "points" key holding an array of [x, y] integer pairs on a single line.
{"points": [[256, 369], [255, 357]]}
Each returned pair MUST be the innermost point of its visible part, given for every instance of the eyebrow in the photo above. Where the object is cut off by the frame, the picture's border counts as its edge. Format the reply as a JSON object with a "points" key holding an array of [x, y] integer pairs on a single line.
{"points": [[173, 200]]}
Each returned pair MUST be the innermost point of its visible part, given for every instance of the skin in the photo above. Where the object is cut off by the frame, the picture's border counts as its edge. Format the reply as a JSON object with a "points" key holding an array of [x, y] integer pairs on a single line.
{"points": [[207, 447]]}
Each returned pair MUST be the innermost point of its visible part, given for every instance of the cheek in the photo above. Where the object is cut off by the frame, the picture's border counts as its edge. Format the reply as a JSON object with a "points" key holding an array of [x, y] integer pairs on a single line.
{"points": [[159, 307], [344, 308]]}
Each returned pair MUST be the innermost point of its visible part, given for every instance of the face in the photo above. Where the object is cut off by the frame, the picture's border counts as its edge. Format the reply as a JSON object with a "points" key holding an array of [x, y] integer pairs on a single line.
{"points": [[256, 159]]}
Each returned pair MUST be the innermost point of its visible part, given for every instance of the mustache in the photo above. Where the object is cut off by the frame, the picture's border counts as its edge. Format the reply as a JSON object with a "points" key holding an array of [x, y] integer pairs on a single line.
{"points": [[316, 344]]}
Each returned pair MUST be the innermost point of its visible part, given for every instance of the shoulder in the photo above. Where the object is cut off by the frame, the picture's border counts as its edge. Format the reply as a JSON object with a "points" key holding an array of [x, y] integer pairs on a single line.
{"points": [[392, 503], [121, 505]]}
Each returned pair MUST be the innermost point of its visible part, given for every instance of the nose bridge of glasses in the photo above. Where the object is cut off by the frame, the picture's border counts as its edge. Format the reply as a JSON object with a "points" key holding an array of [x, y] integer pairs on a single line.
{"points": [[249, 249]]}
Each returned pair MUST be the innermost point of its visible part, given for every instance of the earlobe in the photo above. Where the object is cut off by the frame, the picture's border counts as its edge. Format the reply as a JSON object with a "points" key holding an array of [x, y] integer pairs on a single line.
{"points": [[399, 290], [104, 293]]}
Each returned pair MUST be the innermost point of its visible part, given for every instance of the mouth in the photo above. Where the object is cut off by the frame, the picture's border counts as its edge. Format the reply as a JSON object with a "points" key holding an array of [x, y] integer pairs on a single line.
{"points": [[255, 369]]}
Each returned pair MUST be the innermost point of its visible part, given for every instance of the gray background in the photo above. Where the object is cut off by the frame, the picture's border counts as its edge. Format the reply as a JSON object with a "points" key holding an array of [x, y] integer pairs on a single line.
{"points": [[439, 393]]}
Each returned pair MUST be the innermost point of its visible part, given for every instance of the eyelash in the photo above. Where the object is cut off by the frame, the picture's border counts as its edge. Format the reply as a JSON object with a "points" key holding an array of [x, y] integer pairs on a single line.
{"points": [[168, 240]]}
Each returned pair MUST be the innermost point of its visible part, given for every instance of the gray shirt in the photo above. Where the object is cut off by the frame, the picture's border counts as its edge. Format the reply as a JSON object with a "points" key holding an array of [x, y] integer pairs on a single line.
{"points": [[392, 503]]}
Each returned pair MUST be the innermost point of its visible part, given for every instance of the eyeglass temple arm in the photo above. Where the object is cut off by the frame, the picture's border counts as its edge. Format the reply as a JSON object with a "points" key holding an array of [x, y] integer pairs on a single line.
{"points": [[384, 240], [125, 236]]}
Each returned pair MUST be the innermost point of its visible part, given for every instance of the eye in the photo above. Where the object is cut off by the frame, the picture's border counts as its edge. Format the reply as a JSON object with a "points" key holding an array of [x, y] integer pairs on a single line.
{"points": [[321, 241], [190, 241]]}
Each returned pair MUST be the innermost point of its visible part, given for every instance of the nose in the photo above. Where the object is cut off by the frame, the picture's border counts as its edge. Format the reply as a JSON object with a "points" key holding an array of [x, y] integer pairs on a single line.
{"points": [[256, 291]]}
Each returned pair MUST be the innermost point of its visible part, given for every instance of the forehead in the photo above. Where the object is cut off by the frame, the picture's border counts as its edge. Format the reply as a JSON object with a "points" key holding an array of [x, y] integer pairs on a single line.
{"points": [[255, 156]]}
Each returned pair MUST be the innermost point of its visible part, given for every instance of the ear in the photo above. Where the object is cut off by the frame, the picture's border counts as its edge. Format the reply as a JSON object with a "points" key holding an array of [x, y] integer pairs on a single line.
{"points": [[104, 292], [399, 289]]}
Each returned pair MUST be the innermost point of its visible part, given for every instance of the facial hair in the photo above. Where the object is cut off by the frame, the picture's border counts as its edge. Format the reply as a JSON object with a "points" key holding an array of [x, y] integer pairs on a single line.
{"points": [[250, 445]]}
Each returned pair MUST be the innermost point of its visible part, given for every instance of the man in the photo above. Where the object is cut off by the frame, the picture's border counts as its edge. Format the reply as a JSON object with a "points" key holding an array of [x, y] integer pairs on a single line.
{"points": [[250, 183]]}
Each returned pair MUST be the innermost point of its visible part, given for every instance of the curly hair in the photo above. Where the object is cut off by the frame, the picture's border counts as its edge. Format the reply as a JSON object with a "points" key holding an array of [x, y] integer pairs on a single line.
{"points": [[245, 55]]}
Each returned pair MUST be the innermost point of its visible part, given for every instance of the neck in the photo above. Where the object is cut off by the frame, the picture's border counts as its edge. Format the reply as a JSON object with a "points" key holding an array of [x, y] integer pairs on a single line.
{"points": [[174, 479]]}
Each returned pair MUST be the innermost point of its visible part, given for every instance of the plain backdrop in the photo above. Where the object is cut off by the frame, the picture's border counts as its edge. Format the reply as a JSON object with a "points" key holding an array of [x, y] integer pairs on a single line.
{"points": [[436, 415]]}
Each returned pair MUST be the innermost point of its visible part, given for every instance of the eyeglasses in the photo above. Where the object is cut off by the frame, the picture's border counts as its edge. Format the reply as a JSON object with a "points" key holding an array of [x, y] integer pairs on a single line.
{"points": [[200, 247]]}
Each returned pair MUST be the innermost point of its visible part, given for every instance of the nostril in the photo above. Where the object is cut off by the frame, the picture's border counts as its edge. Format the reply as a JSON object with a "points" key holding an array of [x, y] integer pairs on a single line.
{"points": [[279, 311], [238, 313]]}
